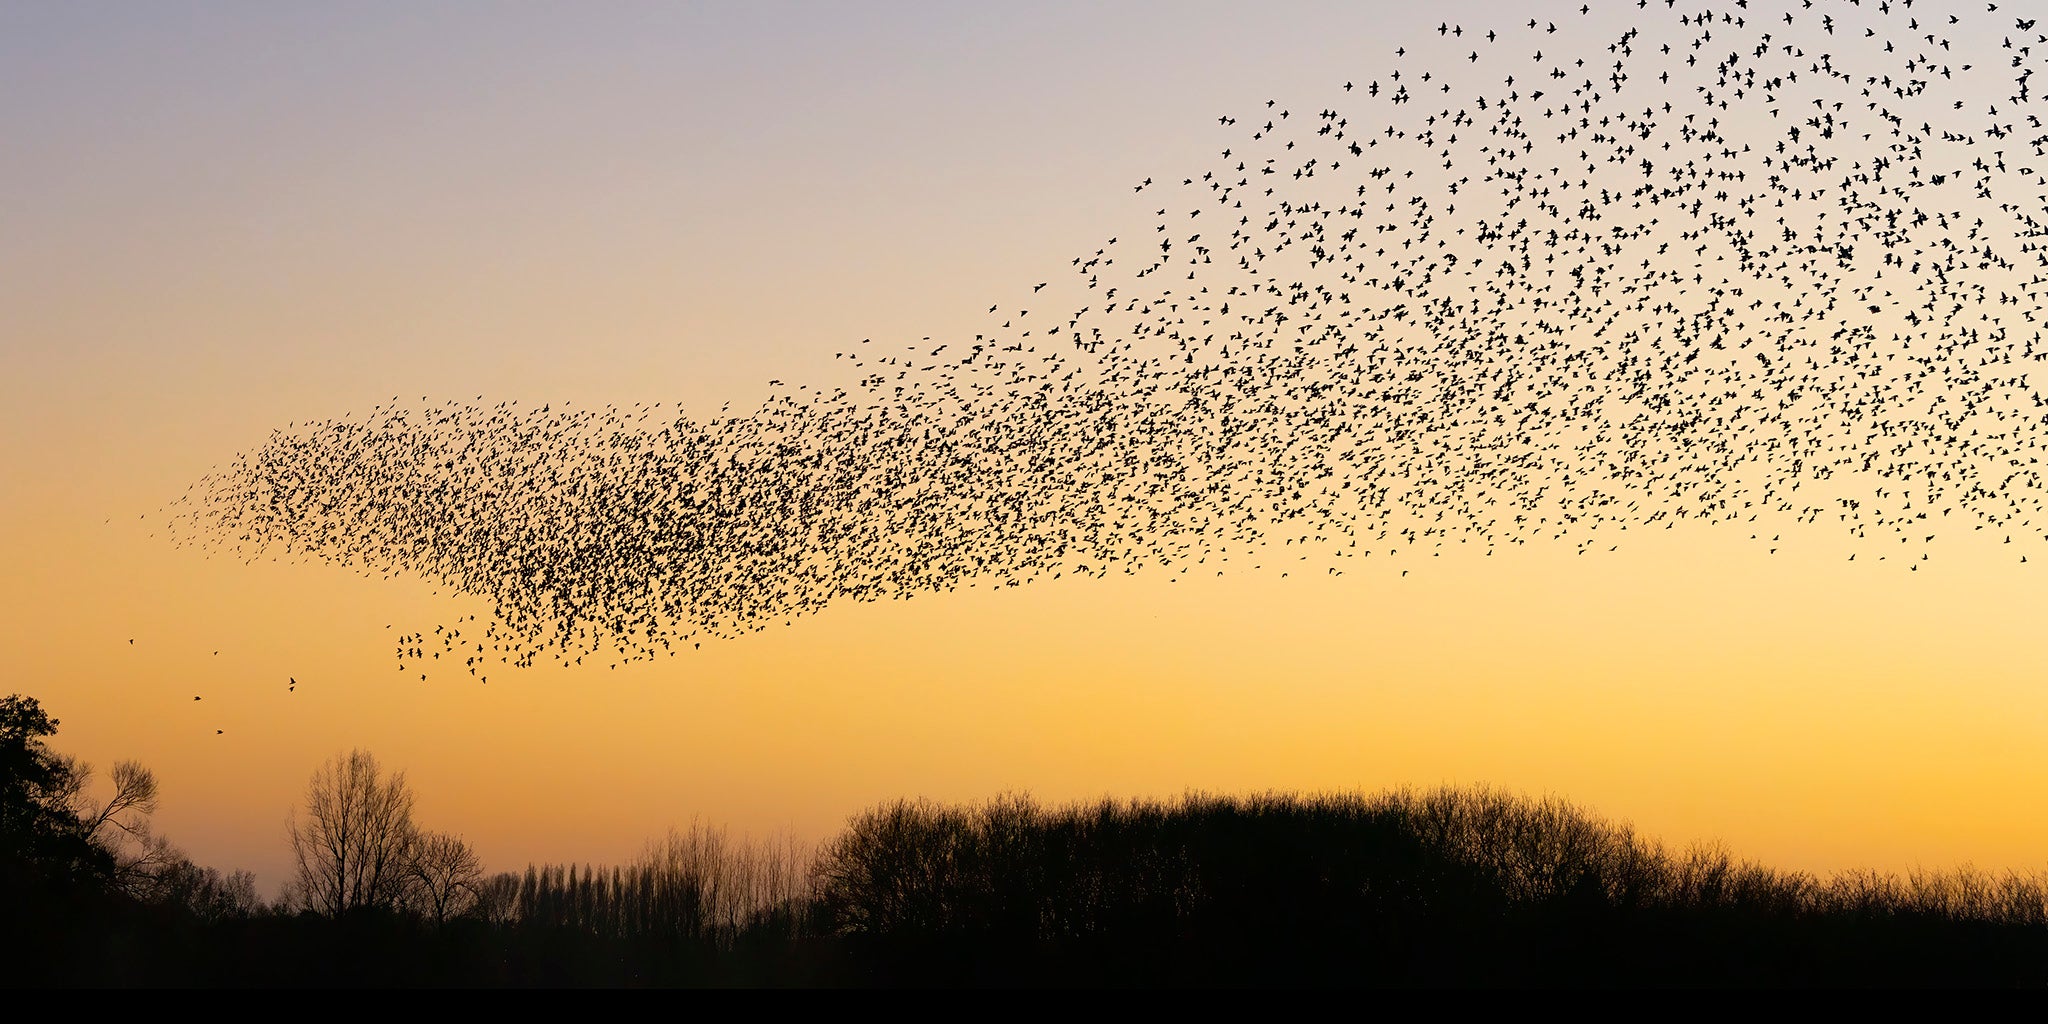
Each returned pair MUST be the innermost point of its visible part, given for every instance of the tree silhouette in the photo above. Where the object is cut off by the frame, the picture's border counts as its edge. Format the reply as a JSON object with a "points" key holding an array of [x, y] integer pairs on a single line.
{"points": [[444, 875], [121, 827], [352, 850], [41, 835], [128, 810]]}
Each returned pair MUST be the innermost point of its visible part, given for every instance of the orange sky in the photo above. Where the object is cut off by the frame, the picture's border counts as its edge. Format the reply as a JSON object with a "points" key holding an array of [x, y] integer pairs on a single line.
{"points": [[223, 220]]}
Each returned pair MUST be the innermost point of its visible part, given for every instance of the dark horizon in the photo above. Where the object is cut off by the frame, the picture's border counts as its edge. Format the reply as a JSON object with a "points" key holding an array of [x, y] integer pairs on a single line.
{"points": [[1469, 887]]}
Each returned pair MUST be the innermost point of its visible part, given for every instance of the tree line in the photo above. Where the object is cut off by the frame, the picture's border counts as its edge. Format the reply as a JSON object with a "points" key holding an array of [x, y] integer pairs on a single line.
{"points": [[1450, 887]]}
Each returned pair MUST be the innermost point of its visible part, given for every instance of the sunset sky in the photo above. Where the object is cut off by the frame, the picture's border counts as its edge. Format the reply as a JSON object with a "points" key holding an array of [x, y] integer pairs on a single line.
{"points": [[220, 219]]}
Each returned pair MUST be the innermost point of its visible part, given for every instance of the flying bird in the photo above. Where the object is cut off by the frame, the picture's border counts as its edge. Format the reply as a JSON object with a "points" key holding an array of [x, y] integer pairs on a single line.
{"points": [[1671, 270]]}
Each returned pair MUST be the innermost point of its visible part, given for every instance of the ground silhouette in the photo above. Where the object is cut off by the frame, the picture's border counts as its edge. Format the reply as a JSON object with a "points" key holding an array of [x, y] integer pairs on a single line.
{"points": [[1451, 887]]}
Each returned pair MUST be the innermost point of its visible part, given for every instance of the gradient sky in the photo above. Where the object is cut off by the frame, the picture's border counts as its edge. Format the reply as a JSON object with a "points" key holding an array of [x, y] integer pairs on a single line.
{"points": [[219, 219]]}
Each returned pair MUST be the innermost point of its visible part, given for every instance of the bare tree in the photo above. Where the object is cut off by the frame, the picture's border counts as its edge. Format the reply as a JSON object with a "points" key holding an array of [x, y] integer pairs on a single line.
{"points": [[205, 892], [353, 849], [497, 898], [128, 810], [444, 874], [121, 826]]}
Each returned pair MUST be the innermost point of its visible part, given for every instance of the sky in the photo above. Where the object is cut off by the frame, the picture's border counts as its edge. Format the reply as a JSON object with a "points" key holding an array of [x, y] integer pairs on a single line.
{"points": [[218, 220]]}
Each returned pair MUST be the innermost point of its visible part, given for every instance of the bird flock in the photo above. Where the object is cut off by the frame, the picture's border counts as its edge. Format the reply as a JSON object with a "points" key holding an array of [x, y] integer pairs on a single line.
{"points": [[1770, 265]]}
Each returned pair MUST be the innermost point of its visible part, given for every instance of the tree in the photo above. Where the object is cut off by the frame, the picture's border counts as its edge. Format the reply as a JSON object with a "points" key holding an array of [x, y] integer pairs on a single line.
{"points": [[40, 791], [497, 899], [123, 823], [128, 810], [204, 892], [29, 772], [353, 850], [445, 875]]}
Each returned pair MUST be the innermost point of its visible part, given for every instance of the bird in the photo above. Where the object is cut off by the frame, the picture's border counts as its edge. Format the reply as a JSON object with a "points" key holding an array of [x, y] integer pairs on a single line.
{"points": [[1690, 272]]}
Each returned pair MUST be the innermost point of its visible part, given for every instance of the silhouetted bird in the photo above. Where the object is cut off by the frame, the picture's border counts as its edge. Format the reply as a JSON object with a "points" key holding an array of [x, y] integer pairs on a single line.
{"points": [[1716, 267]]}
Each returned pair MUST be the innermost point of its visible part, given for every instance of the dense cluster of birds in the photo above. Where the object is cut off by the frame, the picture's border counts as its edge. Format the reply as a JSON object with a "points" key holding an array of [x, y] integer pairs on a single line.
{"points": [[1742, 260]]}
